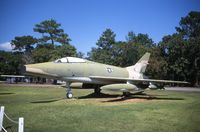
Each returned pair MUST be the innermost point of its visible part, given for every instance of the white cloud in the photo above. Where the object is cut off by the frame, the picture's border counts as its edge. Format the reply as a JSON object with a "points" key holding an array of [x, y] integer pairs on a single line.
{"points": [[6, 46]]}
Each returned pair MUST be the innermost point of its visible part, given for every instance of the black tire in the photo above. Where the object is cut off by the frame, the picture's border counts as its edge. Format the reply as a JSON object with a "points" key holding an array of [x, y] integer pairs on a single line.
{"points": [[97, 91], [126, 94]]}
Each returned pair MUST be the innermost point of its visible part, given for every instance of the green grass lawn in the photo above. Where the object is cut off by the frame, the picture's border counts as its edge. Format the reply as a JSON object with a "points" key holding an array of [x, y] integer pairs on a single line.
{"points": [[46, 109]]}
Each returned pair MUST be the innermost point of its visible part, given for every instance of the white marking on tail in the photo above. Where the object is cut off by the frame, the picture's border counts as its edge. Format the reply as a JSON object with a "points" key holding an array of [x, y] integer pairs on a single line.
{"points": [[136, 71]]}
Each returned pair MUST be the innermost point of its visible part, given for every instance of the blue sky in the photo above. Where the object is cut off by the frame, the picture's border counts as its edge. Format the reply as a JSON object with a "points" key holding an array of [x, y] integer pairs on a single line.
{"points": [[85, 20]]}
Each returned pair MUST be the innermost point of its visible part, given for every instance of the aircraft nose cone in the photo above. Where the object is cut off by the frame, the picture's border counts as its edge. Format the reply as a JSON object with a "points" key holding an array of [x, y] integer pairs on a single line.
{"points": [[38, 70], [31, 70]]}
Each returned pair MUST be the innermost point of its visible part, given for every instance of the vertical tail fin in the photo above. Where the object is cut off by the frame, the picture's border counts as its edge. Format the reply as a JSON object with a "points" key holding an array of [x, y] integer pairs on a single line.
{"points": [[137, 70]]}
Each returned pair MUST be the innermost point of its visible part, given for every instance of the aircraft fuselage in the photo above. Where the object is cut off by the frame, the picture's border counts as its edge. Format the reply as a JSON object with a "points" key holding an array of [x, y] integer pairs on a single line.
{"points": [[76, 72]]}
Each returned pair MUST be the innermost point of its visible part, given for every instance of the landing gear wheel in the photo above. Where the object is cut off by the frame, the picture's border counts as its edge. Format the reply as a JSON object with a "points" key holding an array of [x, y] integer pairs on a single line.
{"points": [[69, 95], [97, 91], [126, 94]]}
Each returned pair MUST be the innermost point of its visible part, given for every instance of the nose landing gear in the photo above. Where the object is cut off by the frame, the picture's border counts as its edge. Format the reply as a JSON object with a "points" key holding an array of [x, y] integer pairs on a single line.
{"points": [[69, 94]]}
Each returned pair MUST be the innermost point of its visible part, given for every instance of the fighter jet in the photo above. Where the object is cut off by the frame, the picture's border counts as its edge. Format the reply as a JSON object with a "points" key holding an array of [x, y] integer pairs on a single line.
{"points": [[97, 75]]}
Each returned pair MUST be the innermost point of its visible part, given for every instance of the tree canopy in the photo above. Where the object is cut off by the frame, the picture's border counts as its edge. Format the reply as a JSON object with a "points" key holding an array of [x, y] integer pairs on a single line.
{"points": [[24, 43], [103, 52], [51, 31]]}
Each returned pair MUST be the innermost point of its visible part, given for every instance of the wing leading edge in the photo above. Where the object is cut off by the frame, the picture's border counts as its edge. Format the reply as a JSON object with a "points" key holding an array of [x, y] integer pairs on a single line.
{"points": [[118, 79]]}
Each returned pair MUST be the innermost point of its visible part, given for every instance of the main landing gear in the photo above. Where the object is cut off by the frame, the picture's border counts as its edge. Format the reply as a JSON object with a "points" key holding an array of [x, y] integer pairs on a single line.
{"points": [[126, 94], [69, 94], [97, 90]]}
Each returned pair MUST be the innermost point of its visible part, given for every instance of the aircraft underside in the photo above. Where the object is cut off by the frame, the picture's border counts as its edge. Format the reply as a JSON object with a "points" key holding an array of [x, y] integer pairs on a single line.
{"points": [[121, 86]]}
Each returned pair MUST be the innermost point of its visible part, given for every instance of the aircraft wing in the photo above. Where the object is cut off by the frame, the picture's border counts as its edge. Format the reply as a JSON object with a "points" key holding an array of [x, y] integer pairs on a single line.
{"points": [[118, 79], [19, 76]]}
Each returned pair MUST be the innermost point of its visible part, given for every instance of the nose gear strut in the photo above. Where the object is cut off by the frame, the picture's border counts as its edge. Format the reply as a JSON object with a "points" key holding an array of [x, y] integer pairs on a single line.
{"points": [[69, 94]]}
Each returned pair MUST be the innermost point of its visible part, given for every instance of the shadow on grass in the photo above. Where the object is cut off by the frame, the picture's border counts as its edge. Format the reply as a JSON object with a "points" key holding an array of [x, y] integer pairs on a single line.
{"points": [[143, 98], [145, 94], [6, 93], [47, 101], [102, 95]]}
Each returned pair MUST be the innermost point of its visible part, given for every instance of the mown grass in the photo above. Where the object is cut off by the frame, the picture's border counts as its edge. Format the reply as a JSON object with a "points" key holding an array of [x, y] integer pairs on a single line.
{"points": [[46, 109]]}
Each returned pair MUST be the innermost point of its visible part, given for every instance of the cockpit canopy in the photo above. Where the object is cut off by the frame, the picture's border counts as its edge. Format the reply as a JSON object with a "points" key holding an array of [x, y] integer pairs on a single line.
{"points": [[70, 60]]}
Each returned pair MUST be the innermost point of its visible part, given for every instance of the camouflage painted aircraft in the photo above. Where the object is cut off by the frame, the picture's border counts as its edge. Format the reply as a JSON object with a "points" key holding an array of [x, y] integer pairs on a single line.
{"points": [[98, 76]]}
